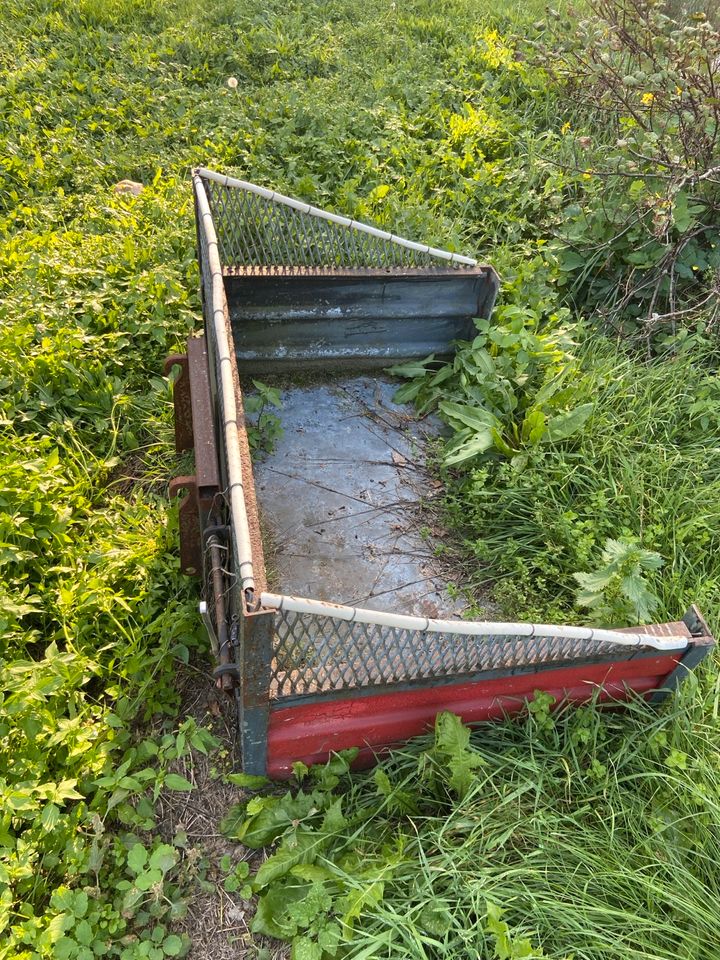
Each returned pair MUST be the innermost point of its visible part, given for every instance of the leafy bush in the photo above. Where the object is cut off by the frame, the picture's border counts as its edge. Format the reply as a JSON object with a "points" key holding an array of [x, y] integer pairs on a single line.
{"points": [[640, 241], [617, 592], [509, 390]]}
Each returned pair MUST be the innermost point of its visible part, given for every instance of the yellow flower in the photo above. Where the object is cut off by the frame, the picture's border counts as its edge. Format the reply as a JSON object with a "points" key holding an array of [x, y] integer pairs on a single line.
{"points": [[565, 127], [647, 98], [678, 91]]}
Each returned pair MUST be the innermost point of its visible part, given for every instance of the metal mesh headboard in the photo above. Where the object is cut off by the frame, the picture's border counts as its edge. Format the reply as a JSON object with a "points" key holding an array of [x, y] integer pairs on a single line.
{"points": [[260, 230]]}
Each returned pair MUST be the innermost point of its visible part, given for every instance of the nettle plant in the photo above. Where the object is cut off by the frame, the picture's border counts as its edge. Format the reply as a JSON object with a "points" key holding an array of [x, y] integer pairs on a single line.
{"points": [[641, 239], [617, 591], [510, 390]]}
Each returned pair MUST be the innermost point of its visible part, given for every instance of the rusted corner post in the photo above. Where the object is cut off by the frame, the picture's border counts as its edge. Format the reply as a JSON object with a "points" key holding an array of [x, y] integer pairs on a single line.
{"points": [[255, 658], [194, 430], [701, 645]]}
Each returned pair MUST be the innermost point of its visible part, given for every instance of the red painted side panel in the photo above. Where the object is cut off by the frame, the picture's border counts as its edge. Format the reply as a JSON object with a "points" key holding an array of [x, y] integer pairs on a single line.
{"points": [[309, 732]]}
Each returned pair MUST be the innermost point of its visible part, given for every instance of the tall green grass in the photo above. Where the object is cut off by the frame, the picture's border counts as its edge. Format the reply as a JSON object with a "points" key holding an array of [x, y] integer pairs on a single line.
{"points": [[645, 466], [596, 834]]}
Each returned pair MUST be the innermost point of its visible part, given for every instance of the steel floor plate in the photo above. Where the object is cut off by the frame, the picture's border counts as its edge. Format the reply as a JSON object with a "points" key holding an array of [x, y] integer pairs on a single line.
{"points": [[341, 499]]}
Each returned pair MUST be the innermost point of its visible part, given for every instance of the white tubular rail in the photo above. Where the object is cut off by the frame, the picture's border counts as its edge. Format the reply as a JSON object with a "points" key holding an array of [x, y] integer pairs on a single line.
{"points": [[239, 519], [321, 608], [227, 181]]}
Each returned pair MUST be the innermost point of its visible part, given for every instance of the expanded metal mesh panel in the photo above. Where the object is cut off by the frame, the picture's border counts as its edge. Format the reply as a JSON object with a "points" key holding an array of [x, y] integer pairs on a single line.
{"points": [[270, 237], [319, 654]]}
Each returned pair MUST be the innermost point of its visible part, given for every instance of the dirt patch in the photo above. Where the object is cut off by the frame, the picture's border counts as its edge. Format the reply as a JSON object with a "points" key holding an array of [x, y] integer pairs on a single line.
{"points": [[217, 922]]}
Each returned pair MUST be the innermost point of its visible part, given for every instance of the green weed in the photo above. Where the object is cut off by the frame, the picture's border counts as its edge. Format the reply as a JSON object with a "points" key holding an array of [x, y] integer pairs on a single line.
{"points": [[643, 467], [557, 836]]}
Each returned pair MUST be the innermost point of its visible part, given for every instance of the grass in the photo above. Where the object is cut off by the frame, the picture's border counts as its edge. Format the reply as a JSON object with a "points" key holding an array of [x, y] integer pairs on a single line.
{"points": [[595, 834], [415, 117], [643, 467]]}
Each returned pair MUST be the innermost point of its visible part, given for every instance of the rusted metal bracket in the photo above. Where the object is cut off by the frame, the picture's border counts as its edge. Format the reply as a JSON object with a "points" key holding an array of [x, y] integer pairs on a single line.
{"points": [[194, 429], [182, 401], [189, 516]]}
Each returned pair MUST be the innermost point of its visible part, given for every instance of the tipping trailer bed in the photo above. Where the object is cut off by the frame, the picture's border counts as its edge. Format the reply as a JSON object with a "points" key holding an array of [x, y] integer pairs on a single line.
{"points": [[357, 641]]}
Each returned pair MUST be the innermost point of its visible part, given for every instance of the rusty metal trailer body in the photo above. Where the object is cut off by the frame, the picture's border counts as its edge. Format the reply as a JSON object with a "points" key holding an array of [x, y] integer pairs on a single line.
{"points": [[288, 287]]}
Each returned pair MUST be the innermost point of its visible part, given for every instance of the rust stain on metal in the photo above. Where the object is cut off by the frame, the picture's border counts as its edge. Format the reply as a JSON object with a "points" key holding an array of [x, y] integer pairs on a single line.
{"points": [[194, 429], [182, 402], [207, 470], [225, 681], [189, 520]]}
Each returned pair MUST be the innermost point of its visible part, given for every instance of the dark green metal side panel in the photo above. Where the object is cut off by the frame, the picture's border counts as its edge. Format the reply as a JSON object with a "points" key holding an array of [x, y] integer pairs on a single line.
{"points": [[354, 319], [255, 655]]}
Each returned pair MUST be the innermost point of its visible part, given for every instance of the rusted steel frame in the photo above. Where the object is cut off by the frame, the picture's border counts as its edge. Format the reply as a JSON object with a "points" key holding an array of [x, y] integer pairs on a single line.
{"points": [[197, 431], [224, 679], [181, 401], [189, 523], [203, 421]]}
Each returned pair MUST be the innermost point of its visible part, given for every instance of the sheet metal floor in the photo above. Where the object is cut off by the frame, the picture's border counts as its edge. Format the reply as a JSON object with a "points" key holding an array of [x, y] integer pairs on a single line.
{"points": [[341, 500]]}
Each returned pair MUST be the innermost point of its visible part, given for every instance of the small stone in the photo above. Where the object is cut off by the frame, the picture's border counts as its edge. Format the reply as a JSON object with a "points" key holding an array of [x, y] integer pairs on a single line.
{"points": [[129, 186]]}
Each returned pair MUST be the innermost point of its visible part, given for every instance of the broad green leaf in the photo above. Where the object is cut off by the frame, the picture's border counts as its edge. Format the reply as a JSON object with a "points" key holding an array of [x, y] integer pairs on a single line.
{"points": [[249, 780], [305, 949], [408, 391], [80, 903], [533, 426], [137, 857], [302, 847], [269, 818], [50, 816], [564, 425], [65, 949], [483, 361], [163, 857], [271, 916], [501, 444], [684, 213], [436, 918], [474, 445], [83, 933], [452, 743], [412, 368], [329, 937], [175, 782], [173, 945], [477, 418], [148, 878]]}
